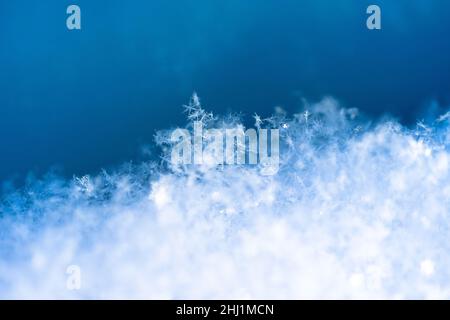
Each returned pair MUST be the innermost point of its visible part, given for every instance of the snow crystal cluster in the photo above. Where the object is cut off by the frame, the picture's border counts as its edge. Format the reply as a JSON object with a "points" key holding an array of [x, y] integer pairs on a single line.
{"points": [[356, 210]]}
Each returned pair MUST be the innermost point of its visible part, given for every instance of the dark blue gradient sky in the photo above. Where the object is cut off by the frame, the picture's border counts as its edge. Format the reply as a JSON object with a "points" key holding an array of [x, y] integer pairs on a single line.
{"points": [[89, 99]]}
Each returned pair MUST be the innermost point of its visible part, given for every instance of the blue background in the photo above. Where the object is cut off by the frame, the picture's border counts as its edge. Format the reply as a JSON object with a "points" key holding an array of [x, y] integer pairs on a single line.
{"points": [[89, 99]]}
